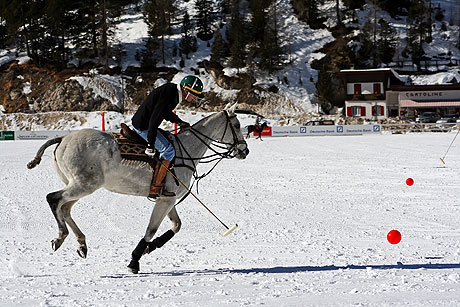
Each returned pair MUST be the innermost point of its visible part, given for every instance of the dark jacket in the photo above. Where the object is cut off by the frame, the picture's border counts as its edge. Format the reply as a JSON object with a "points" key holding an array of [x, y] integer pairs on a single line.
{"points": [[158, 105]]}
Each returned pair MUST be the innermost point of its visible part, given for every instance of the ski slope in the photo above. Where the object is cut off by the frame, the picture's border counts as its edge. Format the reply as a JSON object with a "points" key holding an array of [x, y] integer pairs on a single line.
{"points": [[313, 215]]}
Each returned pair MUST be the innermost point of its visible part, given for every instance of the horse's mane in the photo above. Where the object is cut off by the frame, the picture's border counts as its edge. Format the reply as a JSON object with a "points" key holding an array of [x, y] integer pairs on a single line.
{"points": [[205, 118]]}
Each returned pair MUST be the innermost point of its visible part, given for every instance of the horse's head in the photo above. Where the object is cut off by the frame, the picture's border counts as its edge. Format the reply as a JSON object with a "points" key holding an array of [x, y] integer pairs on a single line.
{"points": [[233, 137]]}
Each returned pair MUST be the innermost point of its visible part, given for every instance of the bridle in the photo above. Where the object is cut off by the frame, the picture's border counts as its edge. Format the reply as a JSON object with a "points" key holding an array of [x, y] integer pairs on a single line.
{"points": [[215, 145]]}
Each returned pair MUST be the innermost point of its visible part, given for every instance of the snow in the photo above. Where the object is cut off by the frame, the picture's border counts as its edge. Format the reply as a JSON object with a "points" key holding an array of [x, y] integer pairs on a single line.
{"points": [[449, 77], [104, 86], [313, 215], [132, 32]]}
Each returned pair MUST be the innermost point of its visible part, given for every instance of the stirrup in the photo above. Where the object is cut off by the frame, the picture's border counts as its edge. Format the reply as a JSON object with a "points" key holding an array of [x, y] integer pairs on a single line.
{"points": [[162, 192]]}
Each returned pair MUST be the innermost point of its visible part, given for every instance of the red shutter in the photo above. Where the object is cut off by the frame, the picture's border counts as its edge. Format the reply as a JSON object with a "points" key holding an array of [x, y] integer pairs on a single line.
{"points": [[349, 111], [382, 110], [357, 89], [363, 111]]}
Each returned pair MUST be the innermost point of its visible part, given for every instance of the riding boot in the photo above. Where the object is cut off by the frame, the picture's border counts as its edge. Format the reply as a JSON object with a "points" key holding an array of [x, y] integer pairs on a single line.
{"points": [[157, 188]]}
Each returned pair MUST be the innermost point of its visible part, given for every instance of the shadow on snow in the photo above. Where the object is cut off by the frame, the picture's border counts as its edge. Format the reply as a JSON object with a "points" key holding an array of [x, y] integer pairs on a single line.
{"points": [[293, 269]]}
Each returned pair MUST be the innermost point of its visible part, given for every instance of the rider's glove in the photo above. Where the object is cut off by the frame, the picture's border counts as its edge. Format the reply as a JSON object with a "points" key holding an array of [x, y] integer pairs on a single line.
{"points": [[150, 151], [184, 126]]}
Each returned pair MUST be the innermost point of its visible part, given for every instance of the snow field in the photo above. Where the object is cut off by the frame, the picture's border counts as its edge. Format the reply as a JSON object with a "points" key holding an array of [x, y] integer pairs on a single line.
{"points": [[313, 215]]}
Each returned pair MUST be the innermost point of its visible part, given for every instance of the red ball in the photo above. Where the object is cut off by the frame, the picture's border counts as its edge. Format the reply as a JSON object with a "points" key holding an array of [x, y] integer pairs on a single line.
{"points": [[394, 237], [409, 181]]}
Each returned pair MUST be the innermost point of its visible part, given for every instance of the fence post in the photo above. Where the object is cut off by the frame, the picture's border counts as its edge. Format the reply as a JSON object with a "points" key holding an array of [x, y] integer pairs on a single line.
{"points": [[175, 125]]}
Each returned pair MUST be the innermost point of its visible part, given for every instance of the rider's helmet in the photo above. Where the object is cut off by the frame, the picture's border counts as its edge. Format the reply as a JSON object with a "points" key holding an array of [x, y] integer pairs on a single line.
{"points": [[194, 87]]}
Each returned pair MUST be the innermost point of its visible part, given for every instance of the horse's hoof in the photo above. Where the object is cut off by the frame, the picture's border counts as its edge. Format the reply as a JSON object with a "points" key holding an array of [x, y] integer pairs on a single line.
{"points": [[82, 251], [56, 243], [133, 266]]}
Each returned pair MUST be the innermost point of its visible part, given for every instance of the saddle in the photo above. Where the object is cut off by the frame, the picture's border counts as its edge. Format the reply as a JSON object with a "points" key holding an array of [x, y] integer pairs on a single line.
{"points": [[132, 146]]}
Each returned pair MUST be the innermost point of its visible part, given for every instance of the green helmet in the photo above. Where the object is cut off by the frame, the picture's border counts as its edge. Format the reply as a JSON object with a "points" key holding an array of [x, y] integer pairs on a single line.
{"points": [[194, 87]]}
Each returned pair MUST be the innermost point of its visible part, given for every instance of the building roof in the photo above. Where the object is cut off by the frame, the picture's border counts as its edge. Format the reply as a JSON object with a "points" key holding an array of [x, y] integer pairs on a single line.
{"points": [[395, 78]]}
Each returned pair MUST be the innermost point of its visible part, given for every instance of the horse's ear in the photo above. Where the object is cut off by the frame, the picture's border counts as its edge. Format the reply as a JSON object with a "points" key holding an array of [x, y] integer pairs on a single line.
{"points": [[230, 108]]}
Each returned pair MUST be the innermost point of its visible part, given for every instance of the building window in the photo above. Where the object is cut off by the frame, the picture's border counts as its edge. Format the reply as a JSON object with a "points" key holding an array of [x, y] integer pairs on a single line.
{"points": [[377, 88], [358, 111], [357, 89], [378, 111]]}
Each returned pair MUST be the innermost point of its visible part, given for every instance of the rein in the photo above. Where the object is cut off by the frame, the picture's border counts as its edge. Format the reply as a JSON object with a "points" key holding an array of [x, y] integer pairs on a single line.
{"points": [[216, 156]]}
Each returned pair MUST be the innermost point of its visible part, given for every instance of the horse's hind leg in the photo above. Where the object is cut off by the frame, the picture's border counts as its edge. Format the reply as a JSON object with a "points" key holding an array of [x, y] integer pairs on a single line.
{"points": [[57, 200], [81, 239], [54, 202]]}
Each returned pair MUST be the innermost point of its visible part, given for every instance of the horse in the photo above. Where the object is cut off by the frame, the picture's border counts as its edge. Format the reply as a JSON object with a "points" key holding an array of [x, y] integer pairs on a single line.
{"points": [[90, 159], [257, 129]]}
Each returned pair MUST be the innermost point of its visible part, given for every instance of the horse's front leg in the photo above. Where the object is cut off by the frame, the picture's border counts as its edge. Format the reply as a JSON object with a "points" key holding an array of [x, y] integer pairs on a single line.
{"points": [[163, 206], [161, 240]]}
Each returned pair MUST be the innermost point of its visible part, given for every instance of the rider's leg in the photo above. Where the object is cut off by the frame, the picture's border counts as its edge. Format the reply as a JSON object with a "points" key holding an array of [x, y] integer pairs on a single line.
{"points": [[167, 154]]}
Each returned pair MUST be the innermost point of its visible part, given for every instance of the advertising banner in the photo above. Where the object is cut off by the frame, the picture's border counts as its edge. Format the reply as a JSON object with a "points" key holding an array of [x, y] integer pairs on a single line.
{"points": [[39, 135], [266, 132], [325, 130], [6, 135]]}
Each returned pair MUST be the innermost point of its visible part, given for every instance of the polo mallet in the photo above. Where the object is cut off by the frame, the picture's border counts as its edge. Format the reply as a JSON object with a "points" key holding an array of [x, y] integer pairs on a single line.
{"points": [[442, 159], [229, 229]]}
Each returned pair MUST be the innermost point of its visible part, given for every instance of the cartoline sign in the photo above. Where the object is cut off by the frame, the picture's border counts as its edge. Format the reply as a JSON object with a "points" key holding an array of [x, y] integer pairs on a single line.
{"points": [[429, 95]]}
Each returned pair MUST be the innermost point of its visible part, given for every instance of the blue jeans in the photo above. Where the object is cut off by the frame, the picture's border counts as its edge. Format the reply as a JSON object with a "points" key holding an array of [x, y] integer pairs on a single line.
{"points": [[162, 144]]}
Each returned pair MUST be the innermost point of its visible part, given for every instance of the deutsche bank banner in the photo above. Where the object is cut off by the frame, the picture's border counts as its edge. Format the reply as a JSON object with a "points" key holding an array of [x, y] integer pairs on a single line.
{"points": [[38, 135], [326, 130]]}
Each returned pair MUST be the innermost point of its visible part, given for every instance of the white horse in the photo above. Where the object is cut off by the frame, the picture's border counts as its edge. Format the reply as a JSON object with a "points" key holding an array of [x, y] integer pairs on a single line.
{"points": [[89, 159]]}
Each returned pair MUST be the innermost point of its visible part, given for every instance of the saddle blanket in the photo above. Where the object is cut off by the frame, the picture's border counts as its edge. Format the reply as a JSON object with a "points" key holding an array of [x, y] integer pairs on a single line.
{"points": [[133, 151]]}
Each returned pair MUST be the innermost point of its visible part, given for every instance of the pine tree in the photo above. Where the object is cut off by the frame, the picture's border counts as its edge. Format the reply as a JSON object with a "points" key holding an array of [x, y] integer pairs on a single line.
{"points": [[3, 25], [188, 42], [236, 36], [417, 30], [387, 42], [354, 4], [217, 48], [458, 24], [308, 11], [324, 89], [157, 15], [367, 47], [271, 49], [338, 12], [393, 7], [59, 18], [258, 21], [204, 19], [237, 43]]}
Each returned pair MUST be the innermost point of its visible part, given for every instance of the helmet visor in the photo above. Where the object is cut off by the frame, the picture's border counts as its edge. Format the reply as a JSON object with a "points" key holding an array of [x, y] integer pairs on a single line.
{"points": [[191, 97]]}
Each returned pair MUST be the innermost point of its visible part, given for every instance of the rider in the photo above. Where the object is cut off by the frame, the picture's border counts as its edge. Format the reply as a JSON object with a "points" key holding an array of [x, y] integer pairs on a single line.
{"points": [[159, 105], [258, 120]]}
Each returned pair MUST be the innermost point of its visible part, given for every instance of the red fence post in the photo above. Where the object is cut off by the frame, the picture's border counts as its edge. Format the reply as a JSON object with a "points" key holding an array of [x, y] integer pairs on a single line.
{"points": [[103, 121], [175, 125]]}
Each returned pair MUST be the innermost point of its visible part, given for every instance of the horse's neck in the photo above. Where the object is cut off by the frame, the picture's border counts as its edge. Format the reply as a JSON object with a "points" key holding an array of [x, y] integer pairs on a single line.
{"points": [[212, 127]]}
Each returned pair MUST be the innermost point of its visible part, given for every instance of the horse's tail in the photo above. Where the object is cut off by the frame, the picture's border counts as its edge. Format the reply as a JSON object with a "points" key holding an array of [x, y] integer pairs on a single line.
{"points": [[38, 157]]}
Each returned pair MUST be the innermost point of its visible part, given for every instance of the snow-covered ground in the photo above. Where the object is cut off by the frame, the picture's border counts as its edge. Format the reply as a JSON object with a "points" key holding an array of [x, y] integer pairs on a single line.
{"points": [[313, 215]]}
